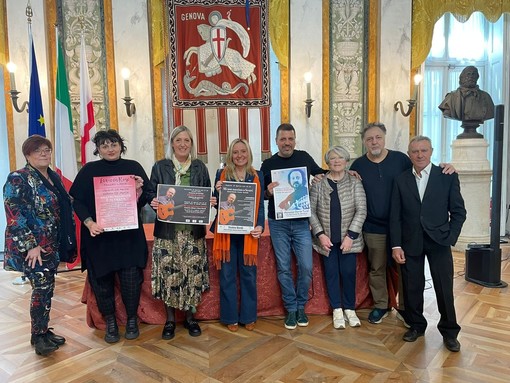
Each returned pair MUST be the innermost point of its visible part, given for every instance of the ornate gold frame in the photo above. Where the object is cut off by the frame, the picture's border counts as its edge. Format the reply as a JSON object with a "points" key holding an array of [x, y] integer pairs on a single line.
{"points": [[4, 55]]}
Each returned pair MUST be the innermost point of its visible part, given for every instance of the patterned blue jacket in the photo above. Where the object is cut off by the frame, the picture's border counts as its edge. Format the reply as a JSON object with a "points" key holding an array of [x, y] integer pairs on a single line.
{"points": [[32, 212]]}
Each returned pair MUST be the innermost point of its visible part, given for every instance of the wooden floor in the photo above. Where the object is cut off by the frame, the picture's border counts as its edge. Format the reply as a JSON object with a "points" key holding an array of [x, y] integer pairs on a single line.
{"points": [[317, 353]]}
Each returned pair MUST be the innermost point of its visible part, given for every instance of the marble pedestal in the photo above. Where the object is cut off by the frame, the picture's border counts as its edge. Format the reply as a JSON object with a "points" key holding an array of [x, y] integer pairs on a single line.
{"points": [[469, 156]]}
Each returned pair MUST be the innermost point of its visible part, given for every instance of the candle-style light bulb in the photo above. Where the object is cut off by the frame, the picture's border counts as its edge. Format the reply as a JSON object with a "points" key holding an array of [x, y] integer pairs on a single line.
{"points": [[11, 67], [308, 80], [125, 73], [417, 80]]}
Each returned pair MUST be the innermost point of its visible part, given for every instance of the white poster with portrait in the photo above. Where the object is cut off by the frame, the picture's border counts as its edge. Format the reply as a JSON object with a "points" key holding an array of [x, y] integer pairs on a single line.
{"points": [[291, 198]]}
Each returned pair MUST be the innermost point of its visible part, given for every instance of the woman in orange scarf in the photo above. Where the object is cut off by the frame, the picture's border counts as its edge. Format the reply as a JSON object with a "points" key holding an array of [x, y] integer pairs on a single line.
{"points": [[235, 253]]}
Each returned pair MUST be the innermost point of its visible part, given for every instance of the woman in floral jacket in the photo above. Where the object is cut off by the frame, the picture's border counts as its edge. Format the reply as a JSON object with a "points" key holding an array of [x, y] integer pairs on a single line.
{"points": [[39, 234]]}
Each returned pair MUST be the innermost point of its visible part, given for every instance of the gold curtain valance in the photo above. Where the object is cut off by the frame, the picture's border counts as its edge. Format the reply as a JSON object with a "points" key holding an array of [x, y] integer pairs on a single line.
{"points": [[159, 44], [279, 29], [427, 12]]}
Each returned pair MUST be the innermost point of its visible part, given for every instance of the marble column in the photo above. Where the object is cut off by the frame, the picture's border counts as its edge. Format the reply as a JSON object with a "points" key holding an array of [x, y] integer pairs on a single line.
{"points": [[469, 156]]}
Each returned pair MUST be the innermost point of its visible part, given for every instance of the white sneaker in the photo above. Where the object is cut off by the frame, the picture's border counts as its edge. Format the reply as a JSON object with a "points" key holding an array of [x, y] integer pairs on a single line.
{"points": [[338, 319], [352, 318]]}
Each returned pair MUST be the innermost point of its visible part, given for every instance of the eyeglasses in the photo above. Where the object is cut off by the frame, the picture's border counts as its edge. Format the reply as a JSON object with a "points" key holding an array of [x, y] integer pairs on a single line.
{"points": [[40, 151]]}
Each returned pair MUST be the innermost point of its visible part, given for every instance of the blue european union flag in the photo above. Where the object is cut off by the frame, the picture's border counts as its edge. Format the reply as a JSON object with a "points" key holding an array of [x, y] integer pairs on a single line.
{"points": [[35, 107]]}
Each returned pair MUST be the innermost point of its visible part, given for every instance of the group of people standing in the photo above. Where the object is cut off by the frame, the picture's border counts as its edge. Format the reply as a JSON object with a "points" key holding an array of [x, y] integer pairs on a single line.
{"points": [[363, 207]]}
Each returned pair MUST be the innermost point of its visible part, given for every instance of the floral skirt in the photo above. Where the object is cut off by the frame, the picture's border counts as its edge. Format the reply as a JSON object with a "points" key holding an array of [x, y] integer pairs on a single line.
{"points": [[180, 271]]}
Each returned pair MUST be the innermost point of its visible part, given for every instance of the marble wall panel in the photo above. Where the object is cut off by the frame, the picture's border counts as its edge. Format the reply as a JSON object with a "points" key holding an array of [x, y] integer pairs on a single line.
{"points": [[394, 69]]}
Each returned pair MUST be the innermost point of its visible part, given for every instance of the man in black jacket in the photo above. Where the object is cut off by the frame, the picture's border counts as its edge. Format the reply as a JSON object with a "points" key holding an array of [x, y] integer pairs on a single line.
{"points": [[427, 214]]}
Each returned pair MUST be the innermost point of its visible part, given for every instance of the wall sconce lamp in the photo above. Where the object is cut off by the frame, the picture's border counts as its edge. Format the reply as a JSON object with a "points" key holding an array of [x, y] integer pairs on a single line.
{"points": [[130, 106], [412, 102], [308, 101], [11, 67]]}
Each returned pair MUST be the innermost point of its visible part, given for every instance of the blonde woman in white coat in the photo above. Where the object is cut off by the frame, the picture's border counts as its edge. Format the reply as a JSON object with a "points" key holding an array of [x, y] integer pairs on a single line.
{"points": [[339, 209]]}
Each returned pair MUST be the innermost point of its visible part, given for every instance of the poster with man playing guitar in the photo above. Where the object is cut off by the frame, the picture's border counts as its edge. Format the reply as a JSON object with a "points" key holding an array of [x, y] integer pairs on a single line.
{"points": [[184, 204], [236, 207]]}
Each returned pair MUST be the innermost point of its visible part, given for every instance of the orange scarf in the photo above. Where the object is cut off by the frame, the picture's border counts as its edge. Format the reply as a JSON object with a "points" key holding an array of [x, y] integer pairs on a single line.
{"points": [[221, 242]]}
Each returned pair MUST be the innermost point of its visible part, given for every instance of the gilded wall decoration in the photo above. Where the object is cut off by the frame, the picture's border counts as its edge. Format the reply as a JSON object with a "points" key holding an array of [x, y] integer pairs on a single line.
{"points": [[77, 17], [348, 22]]}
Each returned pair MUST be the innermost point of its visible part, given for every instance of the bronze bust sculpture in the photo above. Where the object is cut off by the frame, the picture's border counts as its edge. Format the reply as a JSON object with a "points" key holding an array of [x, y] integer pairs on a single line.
{"points": [[468, 103]]}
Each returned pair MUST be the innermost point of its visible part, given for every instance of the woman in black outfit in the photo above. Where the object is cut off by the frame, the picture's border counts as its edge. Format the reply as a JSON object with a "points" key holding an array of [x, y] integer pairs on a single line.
{"points": [[106, 254]]}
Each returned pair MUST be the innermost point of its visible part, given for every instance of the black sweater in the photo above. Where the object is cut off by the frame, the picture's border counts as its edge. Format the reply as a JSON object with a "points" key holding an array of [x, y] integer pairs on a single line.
{"points": [[115, 250]]}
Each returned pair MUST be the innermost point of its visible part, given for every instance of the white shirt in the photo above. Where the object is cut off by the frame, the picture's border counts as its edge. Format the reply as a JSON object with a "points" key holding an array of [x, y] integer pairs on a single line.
{"points": [[422, 179]]}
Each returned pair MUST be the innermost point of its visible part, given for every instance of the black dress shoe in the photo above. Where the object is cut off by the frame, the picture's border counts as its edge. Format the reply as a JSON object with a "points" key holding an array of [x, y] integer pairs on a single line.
{"points": [[193, 327], [168, 330], [452, 344], [57, 339], [412, 335], [43, 346], [132, 331]]}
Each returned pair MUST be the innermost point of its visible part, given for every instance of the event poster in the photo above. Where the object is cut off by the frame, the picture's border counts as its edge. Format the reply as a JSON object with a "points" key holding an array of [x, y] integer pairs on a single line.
{"points": [[236, 207], [184, 204], [115, 198], [291, 199]]}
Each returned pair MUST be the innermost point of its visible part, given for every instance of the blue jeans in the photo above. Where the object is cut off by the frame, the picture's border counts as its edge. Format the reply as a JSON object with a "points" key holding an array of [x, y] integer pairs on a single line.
{"points": [[286, 235], [229, 313], [340, 273]]}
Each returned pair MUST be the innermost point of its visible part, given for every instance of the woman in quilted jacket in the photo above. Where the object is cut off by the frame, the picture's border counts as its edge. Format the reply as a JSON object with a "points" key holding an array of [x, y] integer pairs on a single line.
{"points": [[338, 206]]}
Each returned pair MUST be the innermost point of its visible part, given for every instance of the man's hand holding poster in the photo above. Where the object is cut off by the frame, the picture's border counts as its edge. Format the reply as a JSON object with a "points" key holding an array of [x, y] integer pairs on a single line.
{"points": [[291, 199]]}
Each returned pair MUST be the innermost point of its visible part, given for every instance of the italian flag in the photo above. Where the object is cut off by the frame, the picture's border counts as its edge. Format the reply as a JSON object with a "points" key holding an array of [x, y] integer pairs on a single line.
{"points": [[65, 152], [87, 121]]}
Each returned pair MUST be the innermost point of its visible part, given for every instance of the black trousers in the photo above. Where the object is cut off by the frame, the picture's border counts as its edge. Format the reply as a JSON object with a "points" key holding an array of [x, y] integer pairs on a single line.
{"points": [[413, 278], [130, 288]]}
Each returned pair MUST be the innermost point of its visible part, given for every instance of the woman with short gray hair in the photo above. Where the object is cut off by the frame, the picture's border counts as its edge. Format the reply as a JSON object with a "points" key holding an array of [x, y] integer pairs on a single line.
{"points": [[339, 209]]}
